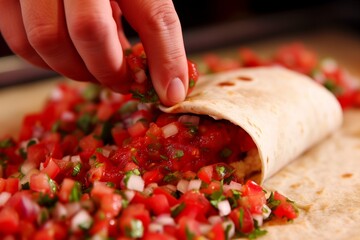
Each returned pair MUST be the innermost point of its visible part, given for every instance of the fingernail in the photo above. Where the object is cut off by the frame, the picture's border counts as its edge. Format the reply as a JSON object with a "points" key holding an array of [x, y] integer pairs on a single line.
{"points": [[176, 91]]}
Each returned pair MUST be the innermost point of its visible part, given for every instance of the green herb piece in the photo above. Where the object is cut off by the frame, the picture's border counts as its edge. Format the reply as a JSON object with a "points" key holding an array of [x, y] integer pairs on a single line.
{"points": [[56, 126], [136, 229], [179, 153], [191, 83], [6, 143], [164, 157], [333, 87], [46, 200], [271, 202], [217, 197], [177, 210], [75, 193], [43, 216], [257, 233], [91, 92], [171, 177], [241, 217], [53, 186], [110, 184], [25, 186], [84, 122], [133, 158], [189, 235], [226, 152], [77, 169]]}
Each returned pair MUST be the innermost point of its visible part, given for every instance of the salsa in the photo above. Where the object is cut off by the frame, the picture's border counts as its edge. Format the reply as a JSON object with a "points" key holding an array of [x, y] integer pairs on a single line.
{"points": [[97, 164]]}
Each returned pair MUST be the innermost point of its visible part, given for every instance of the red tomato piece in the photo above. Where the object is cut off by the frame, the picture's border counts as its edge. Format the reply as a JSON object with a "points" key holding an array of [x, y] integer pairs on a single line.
{"points": [[158, 204], [9, 221], [242, 219], [285, 209]]}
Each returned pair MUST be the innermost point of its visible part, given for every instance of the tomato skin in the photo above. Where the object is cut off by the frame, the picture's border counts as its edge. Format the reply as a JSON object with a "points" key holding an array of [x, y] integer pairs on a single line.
{"points": [[285, 209], [9, 221], [52, 169], [242, 219], [253, 197], [37, 153], [158, 204], [217, 232], [157, 236], [12, 185], [205, 174], [40, 183], [170, 198], [138, 129]]}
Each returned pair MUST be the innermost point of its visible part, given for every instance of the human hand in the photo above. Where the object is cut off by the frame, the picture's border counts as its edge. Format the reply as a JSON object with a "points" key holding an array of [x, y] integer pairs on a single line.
{"points": [[84, 40]]}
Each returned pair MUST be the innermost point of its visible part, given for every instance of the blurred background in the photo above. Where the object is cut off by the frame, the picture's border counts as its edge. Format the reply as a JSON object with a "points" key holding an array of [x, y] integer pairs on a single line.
{"points": [[216, 24]]}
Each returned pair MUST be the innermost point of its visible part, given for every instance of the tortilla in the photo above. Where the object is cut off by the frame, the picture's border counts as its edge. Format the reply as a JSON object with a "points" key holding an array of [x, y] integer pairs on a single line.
{"points": [[284, 112]]}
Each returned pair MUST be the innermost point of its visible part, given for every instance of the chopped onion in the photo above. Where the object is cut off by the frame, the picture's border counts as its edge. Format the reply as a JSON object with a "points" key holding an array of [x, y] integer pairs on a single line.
{"points": [[26, 178], [4, 197], [205, 228], [232, 186], [258, 218], [73, 208], [75, 159], [129, 194], [81, 220], [60, 211], [140, 76], [156, 228], [66, 158], [224, 208], [266, 211], [214, 219], [27, 167], [182, 185], [68, 116], [150, 189], [189, 119], [165, 219], [169, 130], [56, 94], [194, 184], [136, 183]]}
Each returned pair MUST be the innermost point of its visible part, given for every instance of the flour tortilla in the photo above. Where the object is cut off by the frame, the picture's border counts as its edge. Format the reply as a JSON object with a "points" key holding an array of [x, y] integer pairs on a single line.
{"points": [[284, 112]]}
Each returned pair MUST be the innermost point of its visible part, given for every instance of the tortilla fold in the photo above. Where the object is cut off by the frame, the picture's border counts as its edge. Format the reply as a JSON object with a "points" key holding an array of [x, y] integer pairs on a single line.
{"points": [[284, 112]]}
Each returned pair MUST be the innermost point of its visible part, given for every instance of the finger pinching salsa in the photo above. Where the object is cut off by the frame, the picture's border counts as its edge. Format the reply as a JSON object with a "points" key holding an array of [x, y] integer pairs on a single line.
{"points": [[94, 164]]}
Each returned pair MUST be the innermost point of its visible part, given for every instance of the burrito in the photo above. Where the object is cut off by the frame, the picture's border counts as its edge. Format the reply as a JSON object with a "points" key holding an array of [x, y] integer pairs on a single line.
{"points": [[284, 112]]}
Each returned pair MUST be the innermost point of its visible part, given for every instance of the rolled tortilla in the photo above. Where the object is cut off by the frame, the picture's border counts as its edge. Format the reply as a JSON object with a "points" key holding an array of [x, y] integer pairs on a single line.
{"points": [[284, 112]]}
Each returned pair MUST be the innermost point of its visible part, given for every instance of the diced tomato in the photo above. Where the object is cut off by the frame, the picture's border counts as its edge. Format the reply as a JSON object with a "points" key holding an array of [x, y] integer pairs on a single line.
{"points": [[253, 197], [137, 129], [52, 169], [152, 176], [131, 213], [90, 143], [206, 173], [158, 204], [188, 227], [111, 204], [65, 190], [170, 198], [12, 185], [37, 153], [40, 182], [2, 184], [119, 135], [217, 232], [9, 221], [242, 219], [158, 236], [285, 209], [196, 206], [104, 112]]}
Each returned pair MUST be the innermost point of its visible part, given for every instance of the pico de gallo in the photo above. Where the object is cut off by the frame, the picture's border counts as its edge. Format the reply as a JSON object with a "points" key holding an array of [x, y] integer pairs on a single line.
{"points": [[295, 56], [101, 165]]}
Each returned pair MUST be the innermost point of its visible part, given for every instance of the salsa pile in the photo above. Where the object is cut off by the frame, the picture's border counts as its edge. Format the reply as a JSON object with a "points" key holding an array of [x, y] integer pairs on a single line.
{"points": [[94, 164]]}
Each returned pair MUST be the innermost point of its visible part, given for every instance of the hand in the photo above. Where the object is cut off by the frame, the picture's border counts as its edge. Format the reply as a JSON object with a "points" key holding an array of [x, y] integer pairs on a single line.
{"points": [[84, 40]]}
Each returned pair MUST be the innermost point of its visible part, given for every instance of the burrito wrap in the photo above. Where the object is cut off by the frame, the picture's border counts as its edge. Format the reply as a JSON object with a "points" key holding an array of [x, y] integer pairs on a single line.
{"points": [[284, 112]]}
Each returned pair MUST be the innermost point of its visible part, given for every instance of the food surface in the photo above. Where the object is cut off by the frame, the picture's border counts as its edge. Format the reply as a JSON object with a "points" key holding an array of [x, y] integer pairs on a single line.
{"points": [[97, 164]]}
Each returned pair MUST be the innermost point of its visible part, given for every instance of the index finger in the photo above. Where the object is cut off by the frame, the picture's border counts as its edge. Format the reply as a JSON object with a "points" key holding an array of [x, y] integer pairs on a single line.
{"points": [[159, 29]]}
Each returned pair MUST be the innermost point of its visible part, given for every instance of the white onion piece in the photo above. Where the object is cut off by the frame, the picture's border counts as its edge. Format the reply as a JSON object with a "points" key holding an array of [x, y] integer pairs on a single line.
{"points": [[66, 158], [258, 218], [232, 186], [60, 211], [169, 130], [156, 228], [4, 197], [73, 208], [266, 211], [105, 152], [75, 159], [56, 94], [165, 219], [329, 65], [136, 183], [129, 194], [214, 219], [182, 185], [27, 167], [231, 231], [140, 76], [82, 219], [189, 119], [205, 228], [150, 189], [224, 208], [68, 116], [194, 184]]}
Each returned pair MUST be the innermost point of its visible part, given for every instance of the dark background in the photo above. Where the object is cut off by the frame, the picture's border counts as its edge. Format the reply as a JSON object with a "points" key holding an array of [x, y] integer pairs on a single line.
{"points": [[212, 23]]}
